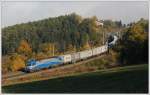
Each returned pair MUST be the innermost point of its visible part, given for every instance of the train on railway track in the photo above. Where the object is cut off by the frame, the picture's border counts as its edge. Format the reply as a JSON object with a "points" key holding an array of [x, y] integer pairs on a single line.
{"points": [[36, 65]]}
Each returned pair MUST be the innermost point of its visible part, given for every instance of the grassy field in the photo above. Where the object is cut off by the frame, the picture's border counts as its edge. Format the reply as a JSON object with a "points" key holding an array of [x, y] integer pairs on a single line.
{"points": [[128, 79]]}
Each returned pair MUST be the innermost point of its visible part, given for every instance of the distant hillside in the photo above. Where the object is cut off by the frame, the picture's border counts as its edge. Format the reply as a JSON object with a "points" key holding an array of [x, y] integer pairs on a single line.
{"points": [[64, 33]]}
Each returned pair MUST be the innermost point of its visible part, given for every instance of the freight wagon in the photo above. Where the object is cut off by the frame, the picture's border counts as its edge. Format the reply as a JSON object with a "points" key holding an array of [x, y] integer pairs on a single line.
{"points": [[65, 58], [97, 51], [75, 57], [85, 54], [104, 48]]}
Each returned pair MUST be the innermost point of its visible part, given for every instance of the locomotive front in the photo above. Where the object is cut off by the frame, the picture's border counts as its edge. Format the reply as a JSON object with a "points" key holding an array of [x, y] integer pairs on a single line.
{"points": [[30, 65]]}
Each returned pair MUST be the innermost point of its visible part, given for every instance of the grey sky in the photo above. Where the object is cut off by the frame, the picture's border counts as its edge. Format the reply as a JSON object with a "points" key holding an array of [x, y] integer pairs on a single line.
{"points": [[19, 12]]}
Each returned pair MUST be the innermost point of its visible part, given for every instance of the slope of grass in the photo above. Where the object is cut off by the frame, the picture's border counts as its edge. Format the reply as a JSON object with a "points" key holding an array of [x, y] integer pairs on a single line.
{"points": [[129, 79]]}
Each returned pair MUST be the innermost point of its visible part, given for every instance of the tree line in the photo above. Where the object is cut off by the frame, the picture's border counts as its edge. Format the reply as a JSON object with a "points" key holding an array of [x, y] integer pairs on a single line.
{"points": [[69, 32]]}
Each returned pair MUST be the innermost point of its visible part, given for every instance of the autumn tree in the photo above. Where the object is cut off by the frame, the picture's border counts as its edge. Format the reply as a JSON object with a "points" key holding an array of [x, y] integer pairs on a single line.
{"points": [[86, 46], [134, 43], [24, 48], [93, 24], [85, 41], [71, 48], [15, 62], [48, 48]]}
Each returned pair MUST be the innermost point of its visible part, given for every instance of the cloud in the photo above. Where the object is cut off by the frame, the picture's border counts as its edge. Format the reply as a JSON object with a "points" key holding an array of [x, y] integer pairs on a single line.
{"points": [[19, 12]]}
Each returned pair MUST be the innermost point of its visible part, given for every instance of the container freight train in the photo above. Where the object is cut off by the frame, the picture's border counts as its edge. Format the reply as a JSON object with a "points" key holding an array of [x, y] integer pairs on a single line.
{"points": [[33, 65]]}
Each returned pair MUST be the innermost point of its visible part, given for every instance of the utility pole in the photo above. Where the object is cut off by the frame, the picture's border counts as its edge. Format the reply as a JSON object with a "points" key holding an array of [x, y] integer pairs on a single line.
{"points": [[103, 37], [53, 49]]}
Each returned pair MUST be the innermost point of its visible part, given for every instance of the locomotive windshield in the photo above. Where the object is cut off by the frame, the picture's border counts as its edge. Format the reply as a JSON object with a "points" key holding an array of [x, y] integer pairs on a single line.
{"points": [[31, 62]]}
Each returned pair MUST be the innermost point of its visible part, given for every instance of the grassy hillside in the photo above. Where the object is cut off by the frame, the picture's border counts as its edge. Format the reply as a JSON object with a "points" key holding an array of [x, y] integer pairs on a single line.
{"points": [[129, 79]]}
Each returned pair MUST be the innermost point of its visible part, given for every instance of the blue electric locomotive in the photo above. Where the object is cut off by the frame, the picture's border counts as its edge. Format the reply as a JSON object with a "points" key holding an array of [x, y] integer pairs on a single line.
{"points": [[33, 65]]}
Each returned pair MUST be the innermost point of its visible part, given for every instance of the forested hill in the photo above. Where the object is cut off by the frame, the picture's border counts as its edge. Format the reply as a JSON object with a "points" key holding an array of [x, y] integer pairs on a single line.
{"points": [[64, 33]]}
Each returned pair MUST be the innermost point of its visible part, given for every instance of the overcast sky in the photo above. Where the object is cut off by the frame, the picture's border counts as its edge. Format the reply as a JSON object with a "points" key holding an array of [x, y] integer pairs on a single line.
{"points": [[20, 12]]}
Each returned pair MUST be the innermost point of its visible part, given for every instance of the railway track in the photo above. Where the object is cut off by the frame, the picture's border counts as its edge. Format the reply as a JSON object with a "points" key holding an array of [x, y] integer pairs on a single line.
{"points": [[18, 75], [10, 75]]}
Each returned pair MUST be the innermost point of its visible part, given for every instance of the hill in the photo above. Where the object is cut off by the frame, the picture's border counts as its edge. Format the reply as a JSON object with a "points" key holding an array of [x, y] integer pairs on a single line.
{"points": [[128, 79], [51, 36], [65, 33]]}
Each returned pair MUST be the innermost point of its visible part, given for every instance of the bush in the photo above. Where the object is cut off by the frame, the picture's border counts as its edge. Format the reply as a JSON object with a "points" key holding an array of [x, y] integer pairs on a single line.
{"points": [[16, 62]]}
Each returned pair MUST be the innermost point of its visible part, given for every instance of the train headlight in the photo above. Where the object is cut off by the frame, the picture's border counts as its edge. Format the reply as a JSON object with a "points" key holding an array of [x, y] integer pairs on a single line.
{"points": [[28, 68]]}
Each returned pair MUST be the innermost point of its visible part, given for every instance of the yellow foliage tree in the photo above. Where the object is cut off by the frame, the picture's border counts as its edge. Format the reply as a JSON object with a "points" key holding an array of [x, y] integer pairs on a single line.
{"points": [[16, 62], [86, 46], [48, 48], [71, 48], [24, 48], [138, 33], [94, 26]]}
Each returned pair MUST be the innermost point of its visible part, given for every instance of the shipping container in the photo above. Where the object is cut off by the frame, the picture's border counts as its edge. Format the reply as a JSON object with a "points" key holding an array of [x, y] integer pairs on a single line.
{"points": [[97, 51], [85, 54], [75, 57], [104, 48], [66, 58]]}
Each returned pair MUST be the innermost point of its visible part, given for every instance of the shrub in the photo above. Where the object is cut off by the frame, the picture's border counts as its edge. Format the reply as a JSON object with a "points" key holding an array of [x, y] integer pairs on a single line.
{"points": [[16, 62]]}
